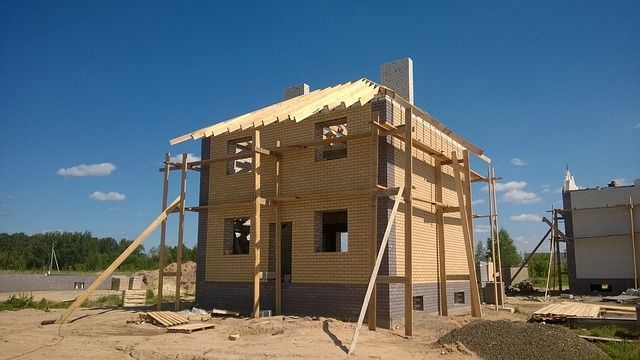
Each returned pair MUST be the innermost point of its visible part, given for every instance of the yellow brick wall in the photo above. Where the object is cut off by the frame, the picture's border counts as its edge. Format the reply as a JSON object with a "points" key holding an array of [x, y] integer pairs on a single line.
{"points": [[302, 174]]}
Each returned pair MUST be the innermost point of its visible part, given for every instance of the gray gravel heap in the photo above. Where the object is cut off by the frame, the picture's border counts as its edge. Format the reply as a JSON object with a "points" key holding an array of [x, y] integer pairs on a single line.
{"points": [[518, 340]]}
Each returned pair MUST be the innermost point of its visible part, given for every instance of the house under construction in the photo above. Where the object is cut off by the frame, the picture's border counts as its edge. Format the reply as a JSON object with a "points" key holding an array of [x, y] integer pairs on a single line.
{"points": [[297, 198]]}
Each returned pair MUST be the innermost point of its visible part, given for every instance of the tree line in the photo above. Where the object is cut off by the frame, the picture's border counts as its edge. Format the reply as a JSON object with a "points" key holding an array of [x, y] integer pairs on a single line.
{"points": [[78, 251]]}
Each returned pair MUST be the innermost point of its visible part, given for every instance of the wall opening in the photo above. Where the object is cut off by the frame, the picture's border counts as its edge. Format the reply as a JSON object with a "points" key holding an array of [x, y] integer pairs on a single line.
{"points": [[332, 234], [331, 130], [418, 303], [237, 236], [236, 147], [601, 288], [458, 297]]}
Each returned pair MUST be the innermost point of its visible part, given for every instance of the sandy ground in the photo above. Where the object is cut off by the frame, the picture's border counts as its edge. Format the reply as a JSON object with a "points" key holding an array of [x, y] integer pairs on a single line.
{"points": [[105, 334]]}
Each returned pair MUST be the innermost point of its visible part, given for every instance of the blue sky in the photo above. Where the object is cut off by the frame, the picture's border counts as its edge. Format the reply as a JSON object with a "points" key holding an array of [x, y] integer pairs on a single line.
{"points": [[87, 82]]}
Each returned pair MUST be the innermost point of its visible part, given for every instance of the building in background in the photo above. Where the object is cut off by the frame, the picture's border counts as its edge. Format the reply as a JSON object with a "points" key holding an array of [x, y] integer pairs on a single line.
{"points": [[602, 249]]}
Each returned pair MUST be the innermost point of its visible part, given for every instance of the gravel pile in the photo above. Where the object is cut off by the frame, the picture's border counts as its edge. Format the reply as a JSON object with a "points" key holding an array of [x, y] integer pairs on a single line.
{"points": [[518, 340]]}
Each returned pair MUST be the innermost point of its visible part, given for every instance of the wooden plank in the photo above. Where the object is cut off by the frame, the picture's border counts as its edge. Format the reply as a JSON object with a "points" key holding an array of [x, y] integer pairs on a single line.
{"points": [[497, 230], [408, 221], [183, 195], [114, 265], [492, 238], [373, 222], [633, 245], [163, 232], [374, 273], [442, 263], [600, 339], [476, 310], [256, 224], [278, 254], [189, 328]]}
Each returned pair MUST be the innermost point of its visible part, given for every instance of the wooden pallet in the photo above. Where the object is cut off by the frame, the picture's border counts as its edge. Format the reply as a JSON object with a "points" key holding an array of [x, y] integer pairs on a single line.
{"points": [[166, 318], [561, 311], [134, 298], [189, 328]]}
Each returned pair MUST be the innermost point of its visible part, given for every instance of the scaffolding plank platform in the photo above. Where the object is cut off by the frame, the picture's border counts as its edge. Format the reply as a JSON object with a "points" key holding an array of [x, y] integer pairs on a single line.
{"points": [[166, 318], [561, 311], [189, 328]]}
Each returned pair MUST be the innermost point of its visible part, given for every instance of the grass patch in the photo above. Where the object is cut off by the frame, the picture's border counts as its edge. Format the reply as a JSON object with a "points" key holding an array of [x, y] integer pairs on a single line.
{"points": [[151, 298], [103, 301], [26, 301], [628, 350]]}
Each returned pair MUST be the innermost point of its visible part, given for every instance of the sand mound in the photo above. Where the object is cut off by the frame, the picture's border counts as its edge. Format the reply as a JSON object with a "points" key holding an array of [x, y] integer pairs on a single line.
{"points": [[518, 340], [187, 279]]}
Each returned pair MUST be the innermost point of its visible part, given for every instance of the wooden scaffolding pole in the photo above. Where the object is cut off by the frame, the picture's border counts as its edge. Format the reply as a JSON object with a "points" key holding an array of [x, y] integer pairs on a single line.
{"points": [[476, 310], [497, 229], [163, 232], [491, 185], [408, 221], [442, 261], [255, 225], [373, 199], [278, 254], [117, 262], [183, 194], [633, 244], [557, 249], [376, 268]]}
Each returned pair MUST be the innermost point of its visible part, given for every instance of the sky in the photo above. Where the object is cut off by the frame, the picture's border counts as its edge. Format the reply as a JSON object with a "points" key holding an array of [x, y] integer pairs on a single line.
{"points": [[92, 91]]}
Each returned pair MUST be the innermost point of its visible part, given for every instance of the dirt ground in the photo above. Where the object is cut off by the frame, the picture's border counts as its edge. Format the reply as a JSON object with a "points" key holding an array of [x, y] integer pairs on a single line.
{"points": [[105, 334]]}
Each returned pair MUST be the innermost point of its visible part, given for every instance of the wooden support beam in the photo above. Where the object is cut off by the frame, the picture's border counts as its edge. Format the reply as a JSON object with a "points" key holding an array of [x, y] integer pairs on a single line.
{"points": [[497, 230], [163, 233], [278, 254], [374, 273], [476, 310], [555, 228], [373, 222], [256, 224], [114, 265], [305, 145], [492, 239], [442, 263], [633, 245], [408, 221], [526, 261], [455, 277], [183, 194]]}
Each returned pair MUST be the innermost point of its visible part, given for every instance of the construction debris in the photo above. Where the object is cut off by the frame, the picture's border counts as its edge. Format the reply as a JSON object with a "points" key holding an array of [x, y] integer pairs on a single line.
{"points": [[234, 337], [164, 318], [222, 312]]}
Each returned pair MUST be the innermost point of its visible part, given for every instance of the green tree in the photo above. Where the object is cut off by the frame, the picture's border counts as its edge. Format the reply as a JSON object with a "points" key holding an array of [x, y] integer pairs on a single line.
{"points": [[508, 251]]}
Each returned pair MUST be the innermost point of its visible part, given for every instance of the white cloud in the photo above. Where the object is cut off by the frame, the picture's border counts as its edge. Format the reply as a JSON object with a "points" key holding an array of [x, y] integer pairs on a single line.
{"points": [[526, 217], [511, 185], [102, 169], [558, 190], [190, 158], [110, 196], [481, 229], [546, 188], [477, 201], [521, 197], [518, 162]]}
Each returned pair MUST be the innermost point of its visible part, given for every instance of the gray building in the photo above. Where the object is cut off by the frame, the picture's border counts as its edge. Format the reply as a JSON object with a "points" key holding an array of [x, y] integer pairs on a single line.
{"points": [[602, 248]]}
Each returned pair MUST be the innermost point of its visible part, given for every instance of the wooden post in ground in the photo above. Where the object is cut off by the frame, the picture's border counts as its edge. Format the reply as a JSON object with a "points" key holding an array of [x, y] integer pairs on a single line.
{"points": [[633, 245], [408, 215], [376, 268], [442, 262], [255, 225], [117, 262], [492, 238], [476, 310], [558, 257], [497, 229], [183, 194], [163, 232], [375, 135], [278, 254]]}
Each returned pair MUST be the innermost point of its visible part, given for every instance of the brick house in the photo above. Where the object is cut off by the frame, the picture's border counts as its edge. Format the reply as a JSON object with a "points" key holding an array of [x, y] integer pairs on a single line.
{"points": [[292, 196]]}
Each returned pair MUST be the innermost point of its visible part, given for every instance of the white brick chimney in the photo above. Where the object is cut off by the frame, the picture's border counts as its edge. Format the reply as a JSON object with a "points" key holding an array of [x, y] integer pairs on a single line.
{"points": [[398, 76], [295, 90]]}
